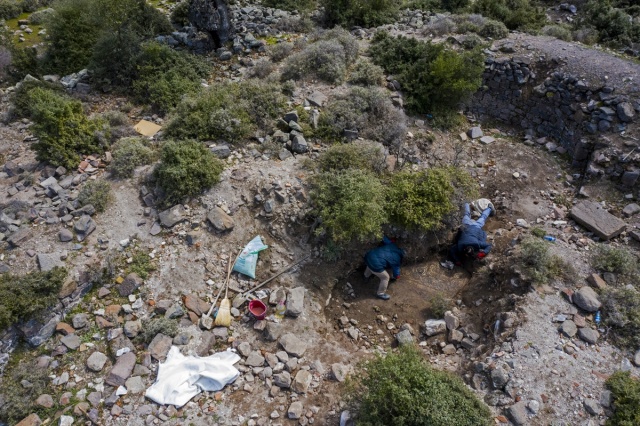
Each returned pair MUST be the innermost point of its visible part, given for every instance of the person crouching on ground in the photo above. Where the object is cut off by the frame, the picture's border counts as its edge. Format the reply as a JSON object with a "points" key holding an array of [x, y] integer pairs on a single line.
{"points": [[387, 256], [472, 240]]}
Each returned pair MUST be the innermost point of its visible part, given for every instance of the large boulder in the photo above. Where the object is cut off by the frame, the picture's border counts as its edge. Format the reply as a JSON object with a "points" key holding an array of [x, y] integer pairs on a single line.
{"points": [[212, 17], [587, 299]]}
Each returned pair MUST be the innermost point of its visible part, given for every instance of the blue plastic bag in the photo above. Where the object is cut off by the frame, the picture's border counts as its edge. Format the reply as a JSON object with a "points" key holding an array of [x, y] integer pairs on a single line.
{"points": [[248, 259]]}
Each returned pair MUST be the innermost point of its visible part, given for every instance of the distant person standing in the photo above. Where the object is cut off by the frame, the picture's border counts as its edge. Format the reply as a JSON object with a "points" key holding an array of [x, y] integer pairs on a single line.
{"points": [[471, 241], [378, 260]]}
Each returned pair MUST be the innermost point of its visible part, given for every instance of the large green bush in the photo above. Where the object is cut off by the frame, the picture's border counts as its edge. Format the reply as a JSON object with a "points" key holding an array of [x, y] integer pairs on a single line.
{"points": [[421, 200], [299, 5], [186, 169], [516, 14], [621, 308], [357, 155], [62, 128], [365, 73], [365, 13], [403, 389], [625, 393], [612, 22], [350, 204], [9, 9], [618, 260], [227, 111], [22, 297], [433, 78], [129, 153]]}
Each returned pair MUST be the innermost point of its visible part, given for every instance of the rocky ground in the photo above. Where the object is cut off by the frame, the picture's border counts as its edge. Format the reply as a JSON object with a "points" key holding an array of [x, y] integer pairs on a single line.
{"points": [[535, 356]]}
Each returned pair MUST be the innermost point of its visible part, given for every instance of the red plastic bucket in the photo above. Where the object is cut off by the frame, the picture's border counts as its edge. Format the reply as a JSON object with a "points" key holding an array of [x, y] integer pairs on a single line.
{"points": [[258, 309]]}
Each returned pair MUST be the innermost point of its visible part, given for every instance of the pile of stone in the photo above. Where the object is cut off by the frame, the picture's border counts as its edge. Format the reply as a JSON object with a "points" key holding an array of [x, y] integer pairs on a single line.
{"points": [[457, 337]]}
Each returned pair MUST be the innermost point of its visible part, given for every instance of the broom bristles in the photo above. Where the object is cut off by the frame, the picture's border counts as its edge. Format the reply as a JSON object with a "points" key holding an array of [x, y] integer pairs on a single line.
{"points": [[223, 318]]}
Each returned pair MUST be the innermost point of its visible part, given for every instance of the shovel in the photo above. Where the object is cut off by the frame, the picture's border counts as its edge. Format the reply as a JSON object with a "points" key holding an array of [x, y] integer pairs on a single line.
{"points": [[206, 321]]}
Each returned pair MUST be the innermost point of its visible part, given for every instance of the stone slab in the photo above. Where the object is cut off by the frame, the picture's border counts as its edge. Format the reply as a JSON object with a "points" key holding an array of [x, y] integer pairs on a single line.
{"points": [[594, 217]]}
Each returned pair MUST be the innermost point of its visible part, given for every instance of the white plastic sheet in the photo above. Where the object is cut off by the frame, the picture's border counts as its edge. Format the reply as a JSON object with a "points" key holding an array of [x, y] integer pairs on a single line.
{"points": [[180, 377]]}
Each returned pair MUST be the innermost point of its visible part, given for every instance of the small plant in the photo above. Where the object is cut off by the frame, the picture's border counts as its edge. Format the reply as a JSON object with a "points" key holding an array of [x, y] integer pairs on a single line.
{"points": [[141, 264], [96, 193], [280, 51], [22, 297], [365, 73], [402, 388], [129, 153], [622, 312], [538, 265], [625, 393], [557, 31], [439, 26], [186, 169], [262, 69], [150, 328], [358, 155], [349, 13], [494, 30], [439, 305], [472, 41], [350, 204], [538, 232], [617, 260]]}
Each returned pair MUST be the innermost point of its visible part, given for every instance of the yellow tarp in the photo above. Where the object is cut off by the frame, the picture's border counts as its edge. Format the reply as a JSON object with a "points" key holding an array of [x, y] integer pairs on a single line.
{"points": [[147, 128]]}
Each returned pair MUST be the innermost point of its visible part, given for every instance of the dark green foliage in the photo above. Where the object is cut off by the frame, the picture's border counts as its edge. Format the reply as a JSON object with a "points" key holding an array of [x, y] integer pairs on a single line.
{"points": [[299, 5], [454, 5], [357, 155], [403, 389], [494, 29], [618, 260], [625, 392], [557, 31], [186, 169], [166, 326], [613, 24], [538, 232], [621, 308], [364, 13], [22, 297], [96, 193], [367, 110], [365, 73], [19, 400], [164, 75], [63, 130], [421, 200], [350, 204], [180, 13], [540, 266], [114, 58], [9, 9], [432, 77], [129, 153], [516, 14], [227, 111]]}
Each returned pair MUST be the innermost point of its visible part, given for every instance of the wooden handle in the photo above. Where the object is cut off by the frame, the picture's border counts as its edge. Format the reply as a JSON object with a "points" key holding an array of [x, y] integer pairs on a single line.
{"points": [[275, 276]]}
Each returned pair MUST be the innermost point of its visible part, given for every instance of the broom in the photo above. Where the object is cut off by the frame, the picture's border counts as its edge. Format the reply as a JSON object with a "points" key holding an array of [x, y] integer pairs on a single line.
{"points": [[223, 319]]}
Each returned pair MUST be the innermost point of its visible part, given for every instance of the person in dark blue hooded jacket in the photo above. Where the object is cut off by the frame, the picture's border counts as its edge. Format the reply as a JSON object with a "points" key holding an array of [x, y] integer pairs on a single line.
{"points": [[472, 240], [387, 256]]}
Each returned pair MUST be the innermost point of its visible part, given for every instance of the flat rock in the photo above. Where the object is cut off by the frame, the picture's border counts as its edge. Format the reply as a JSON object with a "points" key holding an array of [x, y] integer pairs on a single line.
{"points": [[475, 133], [295, 302], [596, 281], [295, 411], [282, 380], [84, 227], [121, 370], [273, 331], [135, 385], [30, 420], [433, 327], [451, 320], [339, 371], [587, 299], [48, 261], [568, 328], [302, 381], [220, 220], [293, 345], [255, 359], [317, 99], [487, 140], [171, 217], [19, 237], [159, 347], [589, 335], [195, 304], [71, 341], [592, 406], [631, 209], [594, 217], [130, 284], [96, 361], [65, 235], [517, 413]]}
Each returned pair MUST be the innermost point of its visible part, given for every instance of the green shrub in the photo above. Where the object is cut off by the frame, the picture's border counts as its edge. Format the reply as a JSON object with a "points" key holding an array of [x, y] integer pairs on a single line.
{"points": [[165, 75], [538, 232], [618, 260], [299, 5], [621, 308], [403, 389], [186, 169], [361, 155], [350, 204], [625, 394], [23, 297], [439, 25], [180, 13], [262, 69], [515, 14], [365, 73], [324, 59], [432, 77], [228, 111], [538, 265], [494, 30], [150, 328], [558, 31], [364, 13], [472, 41], [614, 25], [96, 193], [439, 304], [9, 9], [129, 153], [455, 5], [23, 382], [114, 58], [63, 130], [586, 35], [366, 110], [141, 264], [280, 51], [41, 16], [421, 200], [295, 24]]}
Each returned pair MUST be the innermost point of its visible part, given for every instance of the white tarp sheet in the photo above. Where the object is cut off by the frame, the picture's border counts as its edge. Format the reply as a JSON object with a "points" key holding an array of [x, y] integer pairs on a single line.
{"points": [[180, 377]]}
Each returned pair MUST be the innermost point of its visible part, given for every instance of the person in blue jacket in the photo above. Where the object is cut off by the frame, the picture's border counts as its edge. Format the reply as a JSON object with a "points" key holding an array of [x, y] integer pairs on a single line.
{"points": [[472, 240], [387, 256]]}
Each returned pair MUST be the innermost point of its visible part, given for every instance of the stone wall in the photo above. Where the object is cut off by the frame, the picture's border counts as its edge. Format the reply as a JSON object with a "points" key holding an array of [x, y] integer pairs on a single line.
{"points": [[564, 113]]}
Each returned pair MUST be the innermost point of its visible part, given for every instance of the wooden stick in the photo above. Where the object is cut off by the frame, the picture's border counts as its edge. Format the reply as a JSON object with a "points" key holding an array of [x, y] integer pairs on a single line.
{"points": [[263, 283]]}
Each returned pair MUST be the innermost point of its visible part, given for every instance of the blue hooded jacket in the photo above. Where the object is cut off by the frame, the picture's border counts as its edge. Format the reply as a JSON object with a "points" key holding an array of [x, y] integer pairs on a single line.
{"points": [[472, 236], [386, 256]]}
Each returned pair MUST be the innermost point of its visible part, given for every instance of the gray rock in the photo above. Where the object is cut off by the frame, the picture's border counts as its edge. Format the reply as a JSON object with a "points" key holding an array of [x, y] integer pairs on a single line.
{"points": [[517, 413], [475, 133], [220, 220], [587, 299], [455, 336], [273, 331], [135, 385], [181, 339], [171, 217], [213, 18], [19, 237], [499, 378], [339, 372], [629, 178], [277, 295], [159, 347], [317, 99], [48, 261], [255, 359], [299, 144], [433, 327], [84, 227], [291, 116], [65, 235], [282, 380], [293, 345], [302, 381], [244, 349], [36, 333], [589, 335], [568, 328], [221, 151], [295, 302], [96, 361], [595, 218], [295, 410], [625, 111], [451, 320], [606, 398], [636, 358], [121, 370], [404, 338], [175, 311], [94, 398], [130, 284], [486, 140], [80, 320], [592, 406], [71, 341], [132, 328], [631, 209]]}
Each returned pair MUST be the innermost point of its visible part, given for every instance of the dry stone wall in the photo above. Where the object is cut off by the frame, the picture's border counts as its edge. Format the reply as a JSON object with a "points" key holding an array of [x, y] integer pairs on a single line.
{"points": [[563, 112]]}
